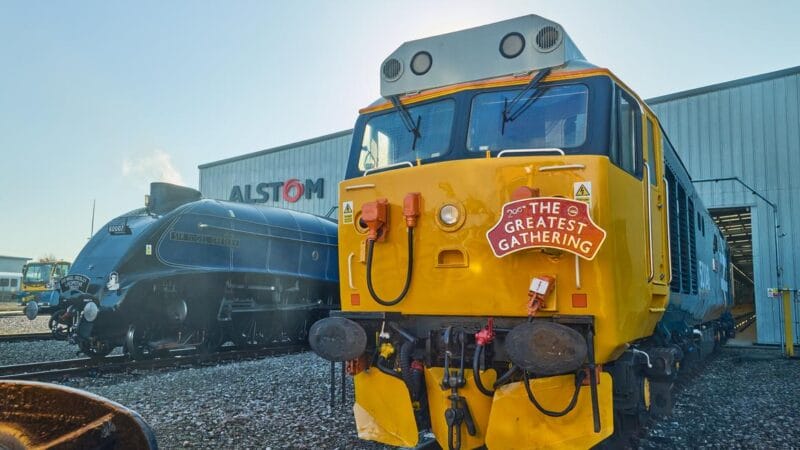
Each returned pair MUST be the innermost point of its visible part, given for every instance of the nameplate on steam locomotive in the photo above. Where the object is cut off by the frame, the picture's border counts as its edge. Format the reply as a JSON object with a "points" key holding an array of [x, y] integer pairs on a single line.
{"points": [[74, 282], [549, 222]]}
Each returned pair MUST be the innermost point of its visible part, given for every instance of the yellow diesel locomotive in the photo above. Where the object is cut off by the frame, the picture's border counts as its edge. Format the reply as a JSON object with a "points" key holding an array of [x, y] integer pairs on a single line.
{"points": [[523, 260]]}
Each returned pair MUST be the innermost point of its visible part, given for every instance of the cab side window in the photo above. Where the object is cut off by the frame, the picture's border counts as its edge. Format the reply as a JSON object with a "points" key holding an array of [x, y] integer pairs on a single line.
{"points": [[651, 152], [628, 152]]}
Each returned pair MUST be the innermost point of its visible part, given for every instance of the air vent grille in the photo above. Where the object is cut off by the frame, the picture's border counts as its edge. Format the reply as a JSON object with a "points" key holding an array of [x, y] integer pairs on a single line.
{"points": [[392, 69], [548, 38]]}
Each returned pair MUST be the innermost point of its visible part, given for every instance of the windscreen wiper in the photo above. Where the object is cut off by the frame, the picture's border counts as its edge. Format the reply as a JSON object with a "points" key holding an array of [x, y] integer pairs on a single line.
{"points": [[508, 114], [412, 127]]}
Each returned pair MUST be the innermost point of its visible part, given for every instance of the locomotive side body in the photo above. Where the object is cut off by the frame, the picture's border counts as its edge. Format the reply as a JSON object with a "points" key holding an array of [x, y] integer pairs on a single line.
{"points": [[198, 273], [507, 245]]}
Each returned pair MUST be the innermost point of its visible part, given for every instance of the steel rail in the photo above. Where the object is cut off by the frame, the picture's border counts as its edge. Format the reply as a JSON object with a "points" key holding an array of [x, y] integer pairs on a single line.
{"points": [[53, 370], [44, 336]]}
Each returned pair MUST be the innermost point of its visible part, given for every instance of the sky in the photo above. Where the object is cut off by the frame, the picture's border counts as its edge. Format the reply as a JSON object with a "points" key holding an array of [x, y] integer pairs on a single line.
{"points": [[99, 98]]}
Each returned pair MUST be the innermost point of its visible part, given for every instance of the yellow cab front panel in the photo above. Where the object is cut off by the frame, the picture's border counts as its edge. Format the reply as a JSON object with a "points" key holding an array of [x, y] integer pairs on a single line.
{"points": [[455, 271]]}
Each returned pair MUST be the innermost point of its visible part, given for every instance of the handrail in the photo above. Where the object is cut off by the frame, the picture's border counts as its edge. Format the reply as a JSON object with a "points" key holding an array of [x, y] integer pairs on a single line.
{"points": [[530, 150], [350, 270], [398, 164], [649, 221], [669, 232], [561, 167], [359, 186]]}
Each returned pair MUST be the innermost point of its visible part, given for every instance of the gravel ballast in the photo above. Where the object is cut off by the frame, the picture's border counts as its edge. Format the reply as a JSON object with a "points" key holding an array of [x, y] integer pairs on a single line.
{"points": [[21, 324], [279, 402], [743, 399], [36, 351]]}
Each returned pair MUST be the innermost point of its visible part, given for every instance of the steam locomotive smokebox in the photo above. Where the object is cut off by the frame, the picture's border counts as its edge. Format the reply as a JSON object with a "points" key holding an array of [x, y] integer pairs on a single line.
{"points": [[164, 197], [43, 415]]}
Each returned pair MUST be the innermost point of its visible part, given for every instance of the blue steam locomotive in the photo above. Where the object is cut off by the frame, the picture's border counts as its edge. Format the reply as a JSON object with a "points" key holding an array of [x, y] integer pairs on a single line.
{"points": [[191, 272]]}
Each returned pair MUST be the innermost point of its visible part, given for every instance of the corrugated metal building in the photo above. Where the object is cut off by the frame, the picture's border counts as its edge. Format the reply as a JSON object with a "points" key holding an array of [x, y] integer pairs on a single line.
{"points": [[748, 129], [12, 263], [303, 176]]}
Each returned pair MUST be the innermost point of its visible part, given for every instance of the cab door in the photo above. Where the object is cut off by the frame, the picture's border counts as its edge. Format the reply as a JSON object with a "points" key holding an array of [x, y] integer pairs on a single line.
{"points": [[656, 204]]}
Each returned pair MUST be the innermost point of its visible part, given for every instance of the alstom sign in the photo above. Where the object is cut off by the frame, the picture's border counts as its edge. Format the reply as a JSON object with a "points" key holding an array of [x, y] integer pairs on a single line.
{"points": [[290, 190]]}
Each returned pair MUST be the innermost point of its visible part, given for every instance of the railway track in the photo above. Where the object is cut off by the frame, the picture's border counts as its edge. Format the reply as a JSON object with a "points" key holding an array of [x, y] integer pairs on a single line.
{"points": [[45, 336], [54, 370]]}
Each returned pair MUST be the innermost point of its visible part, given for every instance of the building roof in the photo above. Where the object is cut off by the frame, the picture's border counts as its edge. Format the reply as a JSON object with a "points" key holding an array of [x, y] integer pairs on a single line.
{"points": [[25, 258], [277, 149], [725, 85]]}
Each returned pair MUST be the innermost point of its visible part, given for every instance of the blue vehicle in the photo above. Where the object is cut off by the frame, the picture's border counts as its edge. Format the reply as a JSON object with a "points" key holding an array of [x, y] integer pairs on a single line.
{"points": [[191, 272]]}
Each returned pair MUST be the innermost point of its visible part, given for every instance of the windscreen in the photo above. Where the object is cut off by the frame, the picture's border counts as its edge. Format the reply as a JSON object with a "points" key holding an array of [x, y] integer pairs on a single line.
{"points": [[552, 118], [387, 140], [37, 273]]}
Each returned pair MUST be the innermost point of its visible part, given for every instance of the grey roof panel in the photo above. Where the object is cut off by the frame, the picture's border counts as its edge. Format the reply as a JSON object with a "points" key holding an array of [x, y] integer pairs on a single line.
{"points": [[725, 85], [277, 149]]}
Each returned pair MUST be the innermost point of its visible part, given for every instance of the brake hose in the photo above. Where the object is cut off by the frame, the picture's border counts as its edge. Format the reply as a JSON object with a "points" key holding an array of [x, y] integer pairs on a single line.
{"points": [[476, 372], [370, 250], [578, 381], [506, 376], [388, 371]]}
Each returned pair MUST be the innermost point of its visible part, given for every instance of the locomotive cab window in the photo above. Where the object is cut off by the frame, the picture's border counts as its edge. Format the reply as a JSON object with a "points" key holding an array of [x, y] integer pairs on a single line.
{"points": [[547, 117], [387, 139], [627, 153], [651, 152]]}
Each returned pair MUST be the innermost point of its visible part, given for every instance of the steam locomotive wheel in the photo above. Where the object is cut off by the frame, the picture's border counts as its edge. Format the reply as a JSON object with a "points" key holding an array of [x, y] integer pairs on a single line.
{"points": [[136, 343], [95, 349], [60, 330]]}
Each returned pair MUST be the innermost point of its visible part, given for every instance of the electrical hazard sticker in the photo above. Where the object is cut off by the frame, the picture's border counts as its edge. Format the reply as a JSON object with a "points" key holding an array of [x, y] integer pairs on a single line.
{"points": [[347, 212], [582, 192]]}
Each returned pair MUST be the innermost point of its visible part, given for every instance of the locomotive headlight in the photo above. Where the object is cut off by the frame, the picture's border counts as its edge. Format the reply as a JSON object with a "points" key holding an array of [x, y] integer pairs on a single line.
{"points": [[512, 45], [450, 217], [449, 214], [421, 63], [90, 312]]}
